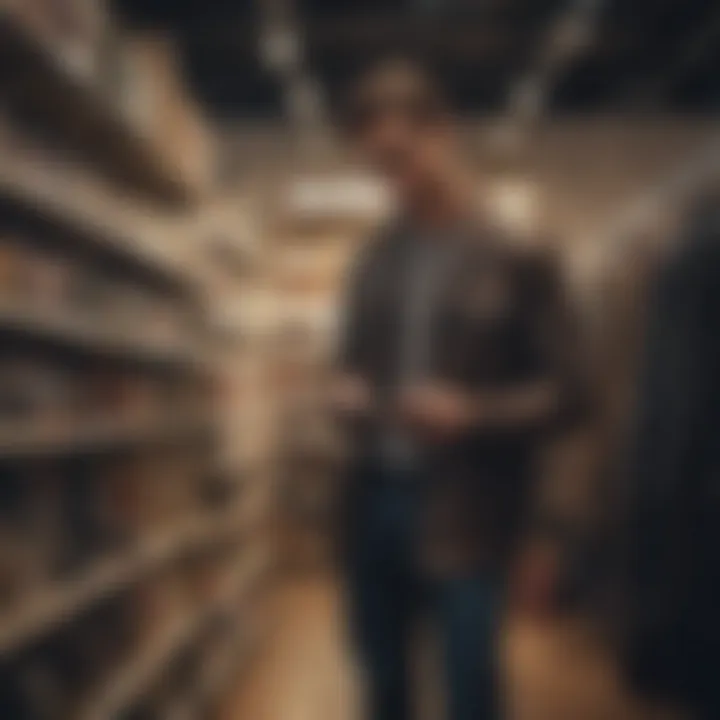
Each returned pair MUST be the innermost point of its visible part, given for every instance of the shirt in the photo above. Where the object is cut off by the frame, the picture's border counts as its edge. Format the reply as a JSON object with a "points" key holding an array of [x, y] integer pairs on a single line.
{"points": [[427, 260]]}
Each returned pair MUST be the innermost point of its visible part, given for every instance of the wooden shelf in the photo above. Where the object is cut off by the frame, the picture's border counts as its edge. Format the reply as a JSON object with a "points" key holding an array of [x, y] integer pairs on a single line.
{"points": [[113, 197], [19, 440], [35, 190], [38, 79], [62, 602], [224, 667], [236, 646], [89, 336], [125, 687], [132, 680]]}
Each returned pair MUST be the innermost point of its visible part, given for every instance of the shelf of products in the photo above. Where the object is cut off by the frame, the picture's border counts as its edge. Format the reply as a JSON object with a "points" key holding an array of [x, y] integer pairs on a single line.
{"points": [[46, 79], [61, 195], [67, 330], [131, 540], [232, 649], [60, 602], [18, 440], [143, 652], [124, 686], [128, 541]]}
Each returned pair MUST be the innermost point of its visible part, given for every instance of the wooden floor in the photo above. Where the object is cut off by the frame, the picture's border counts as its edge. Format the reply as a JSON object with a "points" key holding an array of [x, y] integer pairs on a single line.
{"points": [[554, 672]]}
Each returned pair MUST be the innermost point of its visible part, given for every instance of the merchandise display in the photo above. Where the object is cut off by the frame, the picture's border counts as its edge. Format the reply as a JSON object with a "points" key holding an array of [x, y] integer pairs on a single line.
{"points": [[130, 549], [67, 58], [149, 95], [73, 30]]}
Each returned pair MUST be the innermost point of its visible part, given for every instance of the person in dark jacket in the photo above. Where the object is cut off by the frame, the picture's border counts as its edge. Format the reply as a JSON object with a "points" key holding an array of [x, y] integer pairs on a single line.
{"points": [[674, 521], [456, 358]]}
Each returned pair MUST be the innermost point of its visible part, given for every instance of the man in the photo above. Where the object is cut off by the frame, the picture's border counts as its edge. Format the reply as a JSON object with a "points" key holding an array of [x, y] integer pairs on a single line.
{"points": [[674, 628], [453, 361]]}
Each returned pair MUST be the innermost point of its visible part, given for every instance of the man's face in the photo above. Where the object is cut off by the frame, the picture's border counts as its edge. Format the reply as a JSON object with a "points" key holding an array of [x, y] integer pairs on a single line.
{"points": [[407, 151]]}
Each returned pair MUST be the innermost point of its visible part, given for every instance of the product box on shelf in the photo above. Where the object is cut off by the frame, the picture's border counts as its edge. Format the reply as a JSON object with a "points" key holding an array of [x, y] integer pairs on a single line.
{"points": [[20, 564], [72, 31], [160, 606], [124, 501], [189, 145], [150, 94]]}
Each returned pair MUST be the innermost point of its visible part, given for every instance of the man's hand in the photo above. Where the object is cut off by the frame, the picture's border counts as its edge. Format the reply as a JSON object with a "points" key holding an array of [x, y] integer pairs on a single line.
{"points": [[350, 395], [440, 411]]}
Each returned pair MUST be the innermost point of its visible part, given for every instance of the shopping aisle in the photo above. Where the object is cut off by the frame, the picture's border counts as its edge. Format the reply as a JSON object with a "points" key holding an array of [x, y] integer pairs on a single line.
{"points": [[303, 673], [555, 673]]}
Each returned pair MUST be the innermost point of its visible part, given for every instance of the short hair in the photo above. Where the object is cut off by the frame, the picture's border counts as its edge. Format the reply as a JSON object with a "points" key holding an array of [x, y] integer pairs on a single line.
{"points": [[395, 84]]}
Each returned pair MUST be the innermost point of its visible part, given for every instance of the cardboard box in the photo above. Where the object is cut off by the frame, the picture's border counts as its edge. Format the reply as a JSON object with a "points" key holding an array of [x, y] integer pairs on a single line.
{"points": [[72, 30], [151, 95]]}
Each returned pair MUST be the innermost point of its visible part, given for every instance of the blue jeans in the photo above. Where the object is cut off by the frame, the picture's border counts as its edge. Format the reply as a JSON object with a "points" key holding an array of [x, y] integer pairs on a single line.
{"points": [[387, 594]]}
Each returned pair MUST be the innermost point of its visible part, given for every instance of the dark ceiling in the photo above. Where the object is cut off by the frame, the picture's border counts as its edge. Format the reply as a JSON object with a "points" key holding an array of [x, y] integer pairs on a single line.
{"points": [[654, 54]]}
